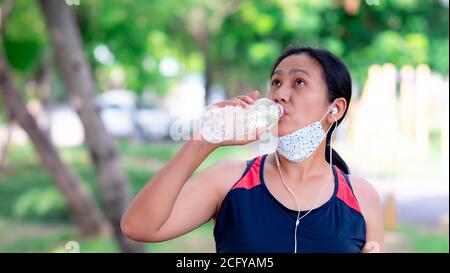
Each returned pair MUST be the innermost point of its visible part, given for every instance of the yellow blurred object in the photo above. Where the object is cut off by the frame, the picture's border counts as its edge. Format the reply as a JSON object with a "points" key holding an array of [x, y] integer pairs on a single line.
{"points": [[390, 214]]}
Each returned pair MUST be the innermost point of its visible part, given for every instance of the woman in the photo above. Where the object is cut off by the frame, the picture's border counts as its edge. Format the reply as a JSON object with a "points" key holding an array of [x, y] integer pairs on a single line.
{"points": [[292, 200]]}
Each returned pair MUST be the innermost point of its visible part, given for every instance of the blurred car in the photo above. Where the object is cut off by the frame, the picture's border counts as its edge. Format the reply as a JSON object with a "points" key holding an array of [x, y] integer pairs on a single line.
{"points": [[66, 128], [122, 117], [153, 123], [117, 109]]}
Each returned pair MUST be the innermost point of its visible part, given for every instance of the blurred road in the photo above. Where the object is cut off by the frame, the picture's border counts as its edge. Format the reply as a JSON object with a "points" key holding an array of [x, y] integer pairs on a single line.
{"points": [[418, 202]]}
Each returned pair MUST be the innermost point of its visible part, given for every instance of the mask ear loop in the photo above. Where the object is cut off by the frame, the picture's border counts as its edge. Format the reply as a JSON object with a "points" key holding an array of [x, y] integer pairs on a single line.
{"points": [[326, 113], [331, 137]]}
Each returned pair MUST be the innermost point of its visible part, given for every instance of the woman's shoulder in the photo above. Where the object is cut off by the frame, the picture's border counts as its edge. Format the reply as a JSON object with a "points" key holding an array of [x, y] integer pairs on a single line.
{"points": [[223, 175], [362, 187], [226, 167], [369, 202], [367, 195], [226, 173]]}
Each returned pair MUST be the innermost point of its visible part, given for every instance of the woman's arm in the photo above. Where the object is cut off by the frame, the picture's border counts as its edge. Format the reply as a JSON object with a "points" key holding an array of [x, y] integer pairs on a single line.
{"points": [[369, 201], [147, 213], [172, 203]]}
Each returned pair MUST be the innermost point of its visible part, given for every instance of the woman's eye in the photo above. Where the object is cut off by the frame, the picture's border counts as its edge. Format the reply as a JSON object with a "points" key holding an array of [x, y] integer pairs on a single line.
{"points": [[275, 83], [300, 82]]}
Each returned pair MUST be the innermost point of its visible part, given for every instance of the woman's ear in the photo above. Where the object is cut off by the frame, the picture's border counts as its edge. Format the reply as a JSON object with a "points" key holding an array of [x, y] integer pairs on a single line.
{"points": [[338, 110]]}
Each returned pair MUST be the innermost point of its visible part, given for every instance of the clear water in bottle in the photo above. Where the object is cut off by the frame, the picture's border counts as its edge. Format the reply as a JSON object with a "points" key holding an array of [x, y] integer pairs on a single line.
{"points": [[235, 122]]}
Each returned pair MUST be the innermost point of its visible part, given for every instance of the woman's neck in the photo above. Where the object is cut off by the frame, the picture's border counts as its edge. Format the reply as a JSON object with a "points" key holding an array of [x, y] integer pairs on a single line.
{"points": [[301, 172]]}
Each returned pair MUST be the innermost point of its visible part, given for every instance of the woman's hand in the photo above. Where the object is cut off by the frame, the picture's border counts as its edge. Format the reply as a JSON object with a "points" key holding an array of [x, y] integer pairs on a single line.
{"points": [[174, 202], [244, 102]]}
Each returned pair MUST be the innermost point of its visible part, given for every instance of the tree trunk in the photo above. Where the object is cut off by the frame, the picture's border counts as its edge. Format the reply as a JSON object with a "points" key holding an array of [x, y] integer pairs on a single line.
{"points": [[197, 26], [201, 37], [83, 209], [80, 84], [208, 76], [43, 88], [5, 146]]}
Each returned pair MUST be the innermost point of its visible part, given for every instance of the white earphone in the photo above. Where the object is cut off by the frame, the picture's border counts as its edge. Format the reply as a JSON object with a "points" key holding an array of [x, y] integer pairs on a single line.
{"points": [[334, 111]]}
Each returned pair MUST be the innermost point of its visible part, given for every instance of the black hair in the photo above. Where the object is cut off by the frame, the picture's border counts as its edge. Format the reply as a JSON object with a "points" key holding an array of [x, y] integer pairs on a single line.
{"points": [[339, 85]]}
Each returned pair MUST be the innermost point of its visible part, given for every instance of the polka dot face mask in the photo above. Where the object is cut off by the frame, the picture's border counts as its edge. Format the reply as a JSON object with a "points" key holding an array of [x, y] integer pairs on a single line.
{"points": [[301, 144]]}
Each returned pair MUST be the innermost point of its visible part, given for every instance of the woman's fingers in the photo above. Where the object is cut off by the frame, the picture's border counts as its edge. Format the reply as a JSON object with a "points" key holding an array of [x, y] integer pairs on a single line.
{"points": [[254, 94], [227, 103], [247, 138], [247, 99], [241, 100]]}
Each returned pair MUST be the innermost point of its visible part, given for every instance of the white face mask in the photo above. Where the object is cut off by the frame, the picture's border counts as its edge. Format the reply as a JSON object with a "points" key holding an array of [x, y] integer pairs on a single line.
{"points": [[301, 144]]}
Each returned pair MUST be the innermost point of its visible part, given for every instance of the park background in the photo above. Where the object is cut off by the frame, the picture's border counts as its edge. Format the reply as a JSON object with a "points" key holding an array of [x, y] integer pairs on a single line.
{"points": [[89, 90]]}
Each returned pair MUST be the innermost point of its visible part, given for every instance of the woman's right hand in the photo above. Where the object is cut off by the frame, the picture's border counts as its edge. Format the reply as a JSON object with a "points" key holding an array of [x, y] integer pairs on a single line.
{"points": [[244, 102], [176, 201]]}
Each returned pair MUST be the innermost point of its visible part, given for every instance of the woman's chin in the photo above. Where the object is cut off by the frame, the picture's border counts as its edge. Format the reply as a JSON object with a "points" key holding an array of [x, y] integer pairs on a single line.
{"points": [[279, 131]]}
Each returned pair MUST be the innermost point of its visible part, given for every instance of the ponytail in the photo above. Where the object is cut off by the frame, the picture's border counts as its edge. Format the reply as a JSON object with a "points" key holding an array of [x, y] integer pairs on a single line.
{"points": [[337, 159]]}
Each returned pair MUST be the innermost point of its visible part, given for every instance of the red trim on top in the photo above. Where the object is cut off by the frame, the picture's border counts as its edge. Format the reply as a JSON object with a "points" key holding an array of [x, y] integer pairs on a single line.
{"points": [[345, 193], [251, 178]]}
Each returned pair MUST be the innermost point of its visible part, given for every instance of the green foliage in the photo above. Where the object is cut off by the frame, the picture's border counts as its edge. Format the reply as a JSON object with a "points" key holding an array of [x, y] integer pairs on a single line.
{"points": [[243, 41], [28, 192], [38, 244], [47, 204], [33, 217], [25, 35], [425, 241]]}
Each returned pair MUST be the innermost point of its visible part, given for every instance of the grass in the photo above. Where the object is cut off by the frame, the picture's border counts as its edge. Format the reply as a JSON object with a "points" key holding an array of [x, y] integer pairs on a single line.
{"points": [[18, 236], [26, 173], [31, 237], [199, 240], [425, 241], [31, 204], [35, 218]]}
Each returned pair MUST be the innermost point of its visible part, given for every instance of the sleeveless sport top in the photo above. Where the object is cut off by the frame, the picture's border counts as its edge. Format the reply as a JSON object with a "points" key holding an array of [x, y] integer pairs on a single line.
{"points": [[251, 219]]}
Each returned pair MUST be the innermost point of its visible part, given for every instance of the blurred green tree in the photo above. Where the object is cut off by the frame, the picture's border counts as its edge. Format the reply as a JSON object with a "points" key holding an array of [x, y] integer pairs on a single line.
{"points": [[83, 209], [232, 43], [80, 85]]}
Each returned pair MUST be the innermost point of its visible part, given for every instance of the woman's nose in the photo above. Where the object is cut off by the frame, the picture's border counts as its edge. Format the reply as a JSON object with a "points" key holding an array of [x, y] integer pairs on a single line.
{"points": [[282, 95]]}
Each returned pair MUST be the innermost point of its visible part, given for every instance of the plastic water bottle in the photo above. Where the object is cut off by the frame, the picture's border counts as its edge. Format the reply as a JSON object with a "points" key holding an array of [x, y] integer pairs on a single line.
{"points": [[235, 122]]}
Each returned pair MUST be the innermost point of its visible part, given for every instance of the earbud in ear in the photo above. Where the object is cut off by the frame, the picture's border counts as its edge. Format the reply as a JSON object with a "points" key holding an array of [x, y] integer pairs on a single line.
{"points": [[334, 111]]}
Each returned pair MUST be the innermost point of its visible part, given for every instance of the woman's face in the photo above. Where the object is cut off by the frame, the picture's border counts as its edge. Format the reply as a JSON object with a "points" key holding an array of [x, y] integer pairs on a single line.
{"points": [[299, 86]]}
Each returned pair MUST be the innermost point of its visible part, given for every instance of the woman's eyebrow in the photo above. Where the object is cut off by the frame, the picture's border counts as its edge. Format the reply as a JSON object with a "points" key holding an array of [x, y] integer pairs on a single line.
{"points": [[292, 71], [295, 70]]}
